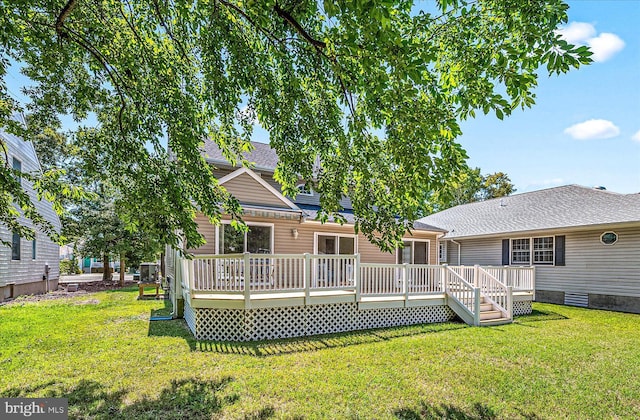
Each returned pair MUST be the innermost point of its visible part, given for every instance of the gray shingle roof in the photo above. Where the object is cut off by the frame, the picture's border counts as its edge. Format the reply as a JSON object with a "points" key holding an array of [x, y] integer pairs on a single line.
{"points": [[312, 214], [263, 156], [569, 206]]}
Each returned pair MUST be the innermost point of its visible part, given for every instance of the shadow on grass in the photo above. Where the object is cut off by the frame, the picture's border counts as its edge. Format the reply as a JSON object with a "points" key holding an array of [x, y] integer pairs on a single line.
{"points": [[321, 342], [170, 328], [538, 316], [184, 399], [445, 411]]}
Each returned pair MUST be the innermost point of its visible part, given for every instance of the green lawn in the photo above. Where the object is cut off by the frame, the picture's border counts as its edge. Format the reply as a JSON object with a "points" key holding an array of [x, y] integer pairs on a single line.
{"points": [[102, 353]]}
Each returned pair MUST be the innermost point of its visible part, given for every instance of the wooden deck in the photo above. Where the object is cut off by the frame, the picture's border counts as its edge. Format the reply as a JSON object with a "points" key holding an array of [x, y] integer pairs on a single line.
{"points": [[254, 281]]}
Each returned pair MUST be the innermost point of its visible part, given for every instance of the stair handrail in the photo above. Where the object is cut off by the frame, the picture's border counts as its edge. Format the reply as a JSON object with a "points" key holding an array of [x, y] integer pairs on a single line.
{"points": [[495, 291], [463, 292]]}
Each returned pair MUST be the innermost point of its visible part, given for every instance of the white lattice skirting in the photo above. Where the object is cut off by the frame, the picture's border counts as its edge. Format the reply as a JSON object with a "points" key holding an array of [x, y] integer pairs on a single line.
{"points": [[521, 308], [298, 321]]}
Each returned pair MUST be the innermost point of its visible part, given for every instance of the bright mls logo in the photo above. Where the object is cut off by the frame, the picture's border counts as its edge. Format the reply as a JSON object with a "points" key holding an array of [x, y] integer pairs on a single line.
{"points": [[34, 408]]}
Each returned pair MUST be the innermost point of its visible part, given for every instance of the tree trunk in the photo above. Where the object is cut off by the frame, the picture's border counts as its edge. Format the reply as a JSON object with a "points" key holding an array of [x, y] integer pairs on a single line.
{"points": [[122, 268], [162, 267], [106, 270]]}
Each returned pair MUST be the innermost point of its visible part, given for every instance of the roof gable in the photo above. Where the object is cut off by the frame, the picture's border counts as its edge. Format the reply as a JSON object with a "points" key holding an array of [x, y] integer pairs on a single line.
{"points": [[249, 188]]}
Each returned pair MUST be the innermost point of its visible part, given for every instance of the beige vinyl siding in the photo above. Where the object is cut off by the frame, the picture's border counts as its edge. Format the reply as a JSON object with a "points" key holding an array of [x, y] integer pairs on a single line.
{"points": [[248, 191], [27, 270], [285, 243]]}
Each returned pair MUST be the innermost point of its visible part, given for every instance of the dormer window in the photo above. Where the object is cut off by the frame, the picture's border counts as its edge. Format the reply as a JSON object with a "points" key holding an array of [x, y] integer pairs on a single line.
{"points": [[304, 190]]}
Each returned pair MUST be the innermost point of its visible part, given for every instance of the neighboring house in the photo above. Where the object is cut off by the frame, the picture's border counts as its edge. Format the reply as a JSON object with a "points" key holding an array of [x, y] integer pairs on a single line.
{"points": [[291, 275], [584, 242], [28, 267]]}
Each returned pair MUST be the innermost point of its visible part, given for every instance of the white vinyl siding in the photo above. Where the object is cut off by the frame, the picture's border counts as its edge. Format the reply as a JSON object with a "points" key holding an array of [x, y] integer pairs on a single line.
{"points": [[28, 270], [590, 266]]}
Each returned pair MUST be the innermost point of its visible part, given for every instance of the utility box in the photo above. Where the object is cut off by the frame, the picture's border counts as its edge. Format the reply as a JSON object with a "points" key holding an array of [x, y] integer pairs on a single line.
{"points": [[149, 273]]}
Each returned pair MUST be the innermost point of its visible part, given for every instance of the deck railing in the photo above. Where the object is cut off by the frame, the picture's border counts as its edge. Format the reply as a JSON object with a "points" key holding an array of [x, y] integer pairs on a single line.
{"points": [[461, 290], [333, 272], [382, 279], [276, 273], [520, 278], [495, 291]]}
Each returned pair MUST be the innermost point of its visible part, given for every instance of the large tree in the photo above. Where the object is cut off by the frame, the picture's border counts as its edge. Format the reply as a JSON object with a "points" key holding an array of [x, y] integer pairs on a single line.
{"points": [[373, 91]]}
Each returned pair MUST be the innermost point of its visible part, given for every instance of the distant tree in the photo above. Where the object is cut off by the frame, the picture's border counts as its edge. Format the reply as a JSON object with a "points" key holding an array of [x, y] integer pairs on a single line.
{"points": [[471, 186], [372, 90], [496, 185]]}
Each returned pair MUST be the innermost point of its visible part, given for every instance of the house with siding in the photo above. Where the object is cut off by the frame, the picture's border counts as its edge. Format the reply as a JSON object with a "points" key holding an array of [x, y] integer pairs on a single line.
{"points": [[291, 275], [584, 242], [28, 266]]}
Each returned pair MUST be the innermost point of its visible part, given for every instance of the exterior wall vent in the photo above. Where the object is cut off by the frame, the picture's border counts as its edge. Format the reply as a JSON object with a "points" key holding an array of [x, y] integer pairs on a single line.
{"points": [[576, 299]]}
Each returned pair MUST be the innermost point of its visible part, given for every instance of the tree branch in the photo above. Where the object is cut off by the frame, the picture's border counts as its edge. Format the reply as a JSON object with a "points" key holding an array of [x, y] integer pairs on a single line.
{"points": [[294, 23], [166, 28], [66, 11]]}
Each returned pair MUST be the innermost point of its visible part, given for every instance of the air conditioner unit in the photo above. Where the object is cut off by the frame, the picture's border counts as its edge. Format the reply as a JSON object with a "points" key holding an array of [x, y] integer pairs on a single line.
{"points": [[148, 272]]}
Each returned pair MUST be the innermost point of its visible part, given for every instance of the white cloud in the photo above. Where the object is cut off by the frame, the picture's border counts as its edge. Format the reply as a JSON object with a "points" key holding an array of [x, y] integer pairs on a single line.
{"points": [[603, 46], [577, 32], [636, 136], [593, 129]]}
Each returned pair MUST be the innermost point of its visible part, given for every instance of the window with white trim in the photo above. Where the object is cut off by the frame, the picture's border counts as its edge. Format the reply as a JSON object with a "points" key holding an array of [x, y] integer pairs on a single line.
{"points": [[520, 251], [543, 250], [526, 251], [257, 240]]}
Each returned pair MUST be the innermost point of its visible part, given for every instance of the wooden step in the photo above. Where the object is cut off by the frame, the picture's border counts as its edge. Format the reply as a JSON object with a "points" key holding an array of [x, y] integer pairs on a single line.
{"points": [[496, 321], [486, 307], [485, 315]]}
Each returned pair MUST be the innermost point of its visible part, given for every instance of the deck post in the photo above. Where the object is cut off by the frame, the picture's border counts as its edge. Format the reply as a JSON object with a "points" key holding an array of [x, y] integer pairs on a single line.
{"points": [[533, 281], [510, 302], [476, 275], [444, 278], [405, 282], [190, 279], [307, 278], [246, 274], [476, 306], [357, 276]]}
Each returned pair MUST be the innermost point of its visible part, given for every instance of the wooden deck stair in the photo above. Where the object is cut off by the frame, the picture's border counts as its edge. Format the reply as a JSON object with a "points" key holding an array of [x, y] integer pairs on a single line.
{"points": [[489, 315]]}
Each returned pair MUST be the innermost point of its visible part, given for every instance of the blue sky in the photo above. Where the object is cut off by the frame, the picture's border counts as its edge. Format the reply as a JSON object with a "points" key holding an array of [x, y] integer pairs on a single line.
{"points": [[585, 126], [557, 142]]}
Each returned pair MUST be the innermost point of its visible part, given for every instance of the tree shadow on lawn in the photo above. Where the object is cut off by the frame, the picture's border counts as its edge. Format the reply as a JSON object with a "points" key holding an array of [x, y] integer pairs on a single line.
{"points": [[537, 316], [447, 411], [183, 399], [321, 342]]}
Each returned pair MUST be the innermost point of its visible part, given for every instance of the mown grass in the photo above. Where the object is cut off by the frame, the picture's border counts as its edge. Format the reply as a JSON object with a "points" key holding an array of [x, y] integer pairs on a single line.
{"points": [[102, 352]]}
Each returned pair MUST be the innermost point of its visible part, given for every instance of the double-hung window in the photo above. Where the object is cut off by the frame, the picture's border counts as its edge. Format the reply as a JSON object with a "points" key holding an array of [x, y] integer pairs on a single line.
{"points": [[526, 251]]}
